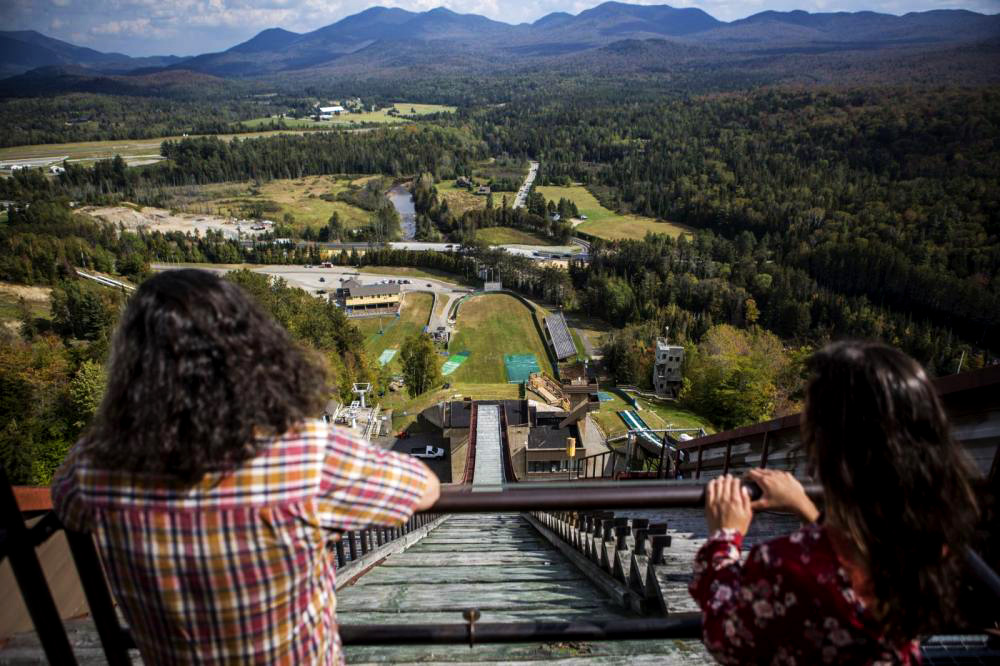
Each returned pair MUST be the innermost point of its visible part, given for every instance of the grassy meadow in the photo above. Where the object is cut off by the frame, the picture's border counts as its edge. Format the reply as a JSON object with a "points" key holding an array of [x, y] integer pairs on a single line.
{"points": [[490, 326], [300, 197], [608, 224], [510, 236]]}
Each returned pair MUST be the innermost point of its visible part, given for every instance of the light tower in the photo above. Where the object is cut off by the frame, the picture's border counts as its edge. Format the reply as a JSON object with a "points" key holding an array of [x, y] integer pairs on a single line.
{"points": [[361, 390]]}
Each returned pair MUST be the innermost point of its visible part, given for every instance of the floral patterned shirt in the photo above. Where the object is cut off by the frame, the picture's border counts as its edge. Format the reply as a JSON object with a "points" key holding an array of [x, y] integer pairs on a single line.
{"points": [[791, 603]]}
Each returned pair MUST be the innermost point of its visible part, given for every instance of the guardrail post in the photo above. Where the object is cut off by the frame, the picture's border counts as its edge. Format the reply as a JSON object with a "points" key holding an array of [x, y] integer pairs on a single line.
{"points": [[697, 469], [729, 450], [353, 547], [659, 543], [763, 453]]}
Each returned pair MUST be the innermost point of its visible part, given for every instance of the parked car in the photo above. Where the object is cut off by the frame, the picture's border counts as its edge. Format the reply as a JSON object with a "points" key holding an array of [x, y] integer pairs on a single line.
{"points": [[429, 284], [322, 279], [427, 452]]}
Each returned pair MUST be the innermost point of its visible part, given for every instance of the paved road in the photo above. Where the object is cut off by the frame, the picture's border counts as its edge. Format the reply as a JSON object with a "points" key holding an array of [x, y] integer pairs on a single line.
{"points": [[529, 180]]}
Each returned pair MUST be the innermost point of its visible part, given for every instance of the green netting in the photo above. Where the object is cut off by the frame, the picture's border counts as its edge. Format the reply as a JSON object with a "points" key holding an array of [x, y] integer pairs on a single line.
{"points": [[385, 358], [520, 367], [455, 360]]}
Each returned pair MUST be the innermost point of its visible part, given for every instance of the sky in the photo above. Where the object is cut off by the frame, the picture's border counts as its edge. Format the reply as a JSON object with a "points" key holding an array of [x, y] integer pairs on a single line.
{"points": [[189, 27]]}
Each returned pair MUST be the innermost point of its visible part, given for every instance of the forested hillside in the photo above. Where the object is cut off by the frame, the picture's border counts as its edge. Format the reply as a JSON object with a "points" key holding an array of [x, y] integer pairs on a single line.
{"points": [[886, 194]]}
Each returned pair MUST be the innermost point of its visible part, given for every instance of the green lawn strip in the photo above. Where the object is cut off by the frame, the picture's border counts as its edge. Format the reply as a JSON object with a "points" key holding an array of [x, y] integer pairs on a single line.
{"points": [[510, 236], [605, 223], [412, 319], [490, 326], [406, 271]]}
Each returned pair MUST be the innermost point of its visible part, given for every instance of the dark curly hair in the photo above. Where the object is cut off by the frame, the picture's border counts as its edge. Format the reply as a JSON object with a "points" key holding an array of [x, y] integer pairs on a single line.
{"points": [[199, 374], [895, 481]]}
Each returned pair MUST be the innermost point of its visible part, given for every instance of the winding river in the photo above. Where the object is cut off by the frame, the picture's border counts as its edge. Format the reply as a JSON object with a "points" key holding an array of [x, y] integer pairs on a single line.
{"points": [[402, 201]]}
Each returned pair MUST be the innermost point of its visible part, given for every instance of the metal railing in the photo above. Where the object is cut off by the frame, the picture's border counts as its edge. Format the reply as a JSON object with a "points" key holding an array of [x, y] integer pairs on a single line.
{"points": [[772, 443], [19, 543]]}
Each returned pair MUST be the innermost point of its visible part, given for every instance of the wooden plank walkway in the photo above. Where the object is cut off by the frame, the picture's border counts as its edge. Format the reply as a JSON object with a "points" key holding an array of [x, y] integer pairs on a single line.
{"points": [[501, 566], [489, 466]]}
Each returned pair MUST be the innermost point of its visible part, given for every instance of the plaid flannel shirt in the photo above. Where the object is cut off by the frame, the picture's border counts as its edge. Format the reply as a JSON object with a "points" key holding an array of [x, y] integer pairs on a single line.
{"points": [[235, 568]]}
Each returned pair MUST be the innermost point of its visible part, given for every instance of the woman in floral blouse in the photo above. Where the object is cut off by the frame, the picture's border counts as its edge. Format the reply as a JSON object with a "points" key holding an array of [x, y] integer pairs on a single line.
{"points": [[862, 583]]}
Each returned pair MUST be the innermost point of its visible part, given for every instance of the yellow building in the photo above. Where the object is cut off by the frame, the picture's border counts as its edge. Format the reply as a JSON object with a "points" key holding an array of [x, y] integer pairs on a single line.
{"points": [[357, 297]]}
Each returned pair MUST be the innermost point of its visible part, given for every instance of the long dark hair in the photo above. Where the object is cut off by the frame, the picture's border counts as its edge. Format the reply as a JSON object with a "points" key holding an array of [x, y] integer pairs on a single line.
{"points": [[199, 374], [896, 482]]}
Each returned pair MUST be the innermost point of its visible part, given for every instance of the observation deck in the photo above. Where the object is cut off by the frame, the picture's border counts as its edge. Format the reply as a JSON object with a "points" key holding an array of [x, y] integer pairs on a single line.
{"points": [[582, 573]]}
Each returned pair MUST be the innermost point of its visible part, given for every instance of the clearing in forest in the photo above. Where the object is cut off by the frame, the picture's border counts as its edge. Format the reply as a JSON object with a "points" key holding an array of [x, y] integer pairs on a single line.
{"points": [[489, 327], [301, 197], [406, 111], [608, 224]]}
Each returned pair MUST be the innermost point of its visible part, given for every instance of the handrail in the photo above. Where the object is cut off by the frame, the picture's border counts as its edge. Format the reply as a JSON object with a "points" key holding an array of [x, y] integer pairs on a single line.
{"points": [[525, 497]]}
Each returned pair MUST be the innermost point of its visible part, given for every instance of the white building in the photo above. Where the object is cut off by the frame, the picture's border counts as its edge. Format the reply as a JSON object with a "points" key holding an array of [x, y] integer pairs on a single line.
{"points": [[328, 112]]}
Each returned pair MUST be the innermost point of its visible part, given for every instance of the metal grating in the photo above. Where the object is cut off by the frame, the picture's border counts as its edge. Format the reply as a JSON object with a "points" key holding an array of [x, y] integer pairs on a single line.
{"points": [[562, 341], [489, 462]]}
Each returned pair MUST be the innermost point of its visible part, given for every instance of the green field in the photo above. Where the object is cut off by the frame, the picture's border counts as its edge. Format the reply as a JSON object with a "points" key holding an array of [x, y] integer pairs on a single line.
{"points": [[300, 197], [412, 319], [509, 236], [490, 326], [604, 223], [381, 116]]}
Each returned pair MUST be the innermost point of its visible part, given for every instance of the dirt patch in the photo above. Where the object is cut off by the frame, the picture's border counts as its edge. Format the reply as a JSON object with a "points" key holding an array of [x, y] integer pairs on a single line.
{"points": [[30, 294], [160, 219]]}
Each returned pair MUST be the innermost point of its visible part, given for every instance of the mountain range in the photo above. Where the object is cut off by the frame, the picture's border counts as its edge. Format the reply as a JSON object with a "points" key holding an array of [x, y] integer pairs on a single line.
{"points": [[371, 37]]}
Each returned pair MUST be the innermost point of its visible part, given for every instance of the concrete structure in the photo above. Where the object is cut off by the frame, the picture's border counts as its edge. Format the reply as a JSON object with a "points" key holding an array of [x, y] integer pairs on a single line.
{"points": [[360, 299], [667, 368]]}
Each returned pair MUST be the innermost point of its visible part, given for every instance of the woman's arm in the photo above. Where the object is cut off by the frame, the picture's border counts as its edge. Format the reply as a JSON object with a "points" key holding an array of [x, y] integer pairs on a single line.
{"points": [[720, 586]]}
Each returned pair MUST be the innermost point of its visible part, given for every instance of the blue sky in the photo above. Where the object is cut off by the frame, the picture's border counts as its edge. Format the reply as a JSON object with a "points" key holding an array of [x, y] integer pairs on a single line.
{"points": [[185, 27]]}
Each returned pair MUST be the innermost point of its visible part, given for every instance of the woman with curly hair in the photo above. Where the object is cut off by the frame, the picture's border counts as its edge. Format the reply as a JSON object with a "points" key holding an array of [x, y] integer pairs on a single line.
{"points": [[213, 490], [880, 566]]}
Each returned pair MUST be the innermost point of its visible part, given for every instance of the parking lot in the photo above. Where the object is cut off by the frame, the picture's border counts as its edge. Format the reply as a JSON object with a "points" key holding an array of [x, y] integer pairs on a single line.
{"points": [[440, 466]]}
